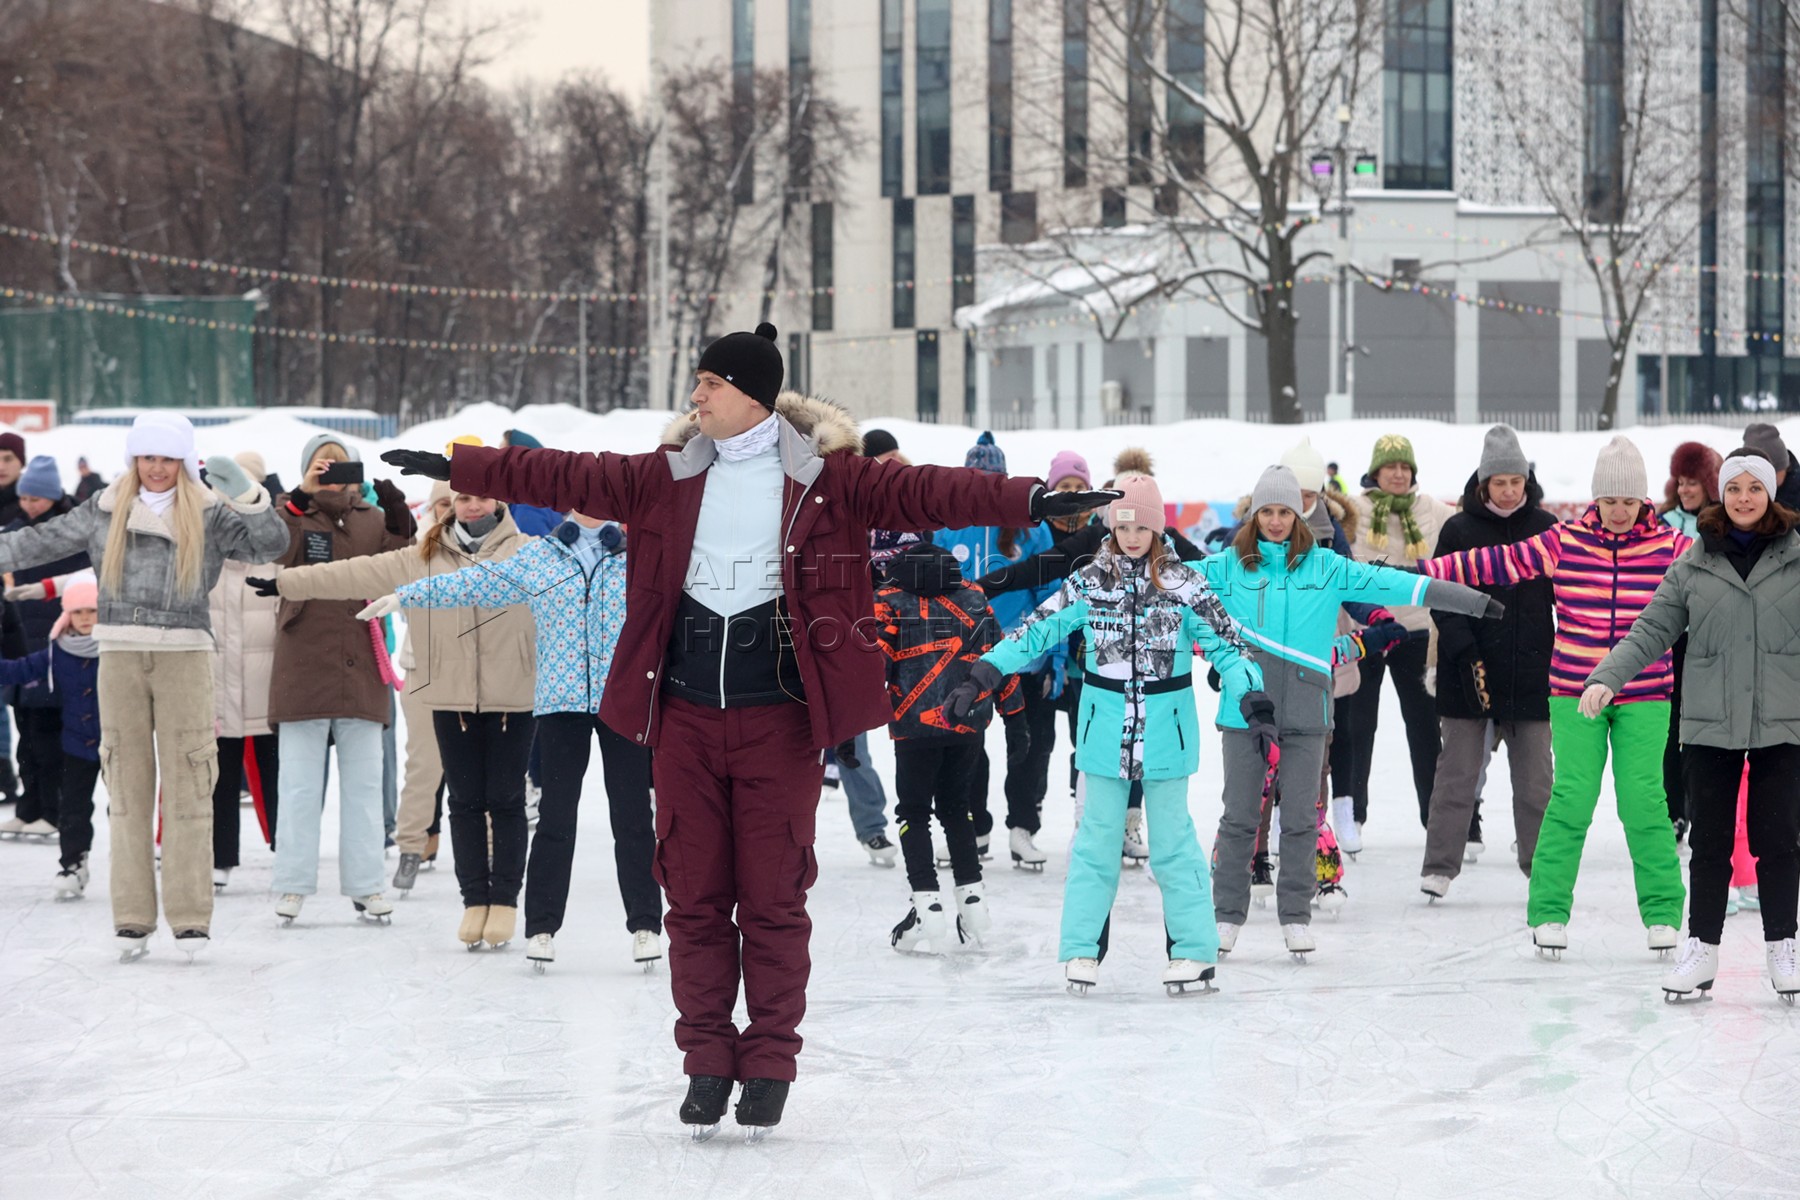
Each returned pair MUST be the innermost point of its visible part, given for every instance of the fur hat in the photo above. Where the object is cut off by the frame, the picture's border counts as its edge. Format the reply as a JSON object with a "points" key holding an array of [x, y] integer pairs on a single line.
{"points": [[1132, 460], [1694, 460], [161, 434]]}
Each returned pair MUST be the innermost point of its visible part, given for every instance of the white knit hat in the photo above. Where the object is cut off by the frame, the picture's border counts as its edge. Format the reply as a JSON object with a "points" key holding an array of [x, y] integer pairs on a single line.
{"points": [[162, 435], [1619, 471], [1308, 466]]}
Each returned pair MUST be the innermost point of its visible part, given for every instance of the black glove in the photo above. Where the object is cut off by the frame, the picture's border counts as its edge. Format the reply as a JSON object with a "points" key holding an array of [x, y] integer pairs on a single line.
{"points": [[1046, 505], [983, 677], [263, 587], [1212, 678], [845, 751], [418, 462], [1383, 636], [1259, 713], [400, 521], [301, 501], [1494, 610]]}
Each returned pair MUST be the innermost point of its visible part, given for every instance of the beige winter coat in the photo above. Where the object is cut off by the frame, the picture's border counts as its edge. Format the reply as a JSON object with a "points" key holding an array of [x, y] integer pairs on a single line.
{"points": [[243, 626], [466, 659], [1430, 513]]}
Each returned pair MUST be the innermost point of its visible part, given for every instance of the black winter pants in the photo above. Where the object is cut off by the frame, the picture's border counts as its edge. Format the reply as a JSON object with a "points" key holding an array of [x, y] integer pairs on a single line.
{"points": [[484, 757], [1028, 748], [1406, 663], [564, 742], [1771, 818], [40, 756], [1674, 776], [230, 786], [79, 775], [936, 775]]}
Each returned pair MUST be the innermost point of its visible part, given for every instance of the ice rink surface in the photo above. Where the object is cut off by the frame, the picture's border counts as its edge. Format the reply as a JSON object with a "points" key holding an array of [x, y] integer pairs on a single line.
{"points": [[1423, 1051]]}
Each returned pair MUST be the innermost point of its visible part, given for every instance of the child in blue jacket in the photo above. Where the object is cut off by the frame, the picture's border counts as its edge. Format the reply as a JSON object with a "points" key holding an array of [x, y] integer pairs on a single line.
{"points": [[69, 668], [574, 582], [1284, 591], [1142, 612]]}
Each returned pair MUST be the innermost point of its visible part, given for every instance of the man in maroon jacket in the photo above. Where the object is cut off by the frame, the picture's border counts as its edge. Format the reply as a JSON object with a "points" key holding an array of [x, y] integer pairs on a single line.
{"points": [[748, 651]]}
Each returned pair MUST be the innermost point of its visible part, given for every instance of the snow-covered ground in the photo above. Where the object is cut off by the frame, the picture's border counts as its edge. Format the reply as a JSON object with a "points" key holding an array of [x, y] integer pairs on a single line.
{"points": [[1423, 1051]]}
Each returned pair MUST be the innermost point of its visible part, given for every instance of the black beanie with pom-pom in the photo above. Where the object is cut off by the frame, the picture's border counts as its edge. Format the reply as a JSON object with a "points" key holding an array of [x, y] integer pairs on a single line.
{"points": [[750, 362]]}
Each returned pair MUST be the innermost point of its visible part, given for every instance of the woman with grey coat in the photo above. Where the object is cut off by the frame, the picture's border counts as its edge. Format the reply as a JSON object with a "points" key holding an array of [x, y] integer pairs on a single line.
{"points": [[1733, 594]]}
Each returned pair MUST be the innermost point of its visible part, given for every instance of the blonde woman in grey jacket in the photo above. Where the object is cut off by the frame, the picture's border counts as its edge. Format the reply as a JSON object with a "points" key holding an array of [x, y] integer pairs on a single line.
{"points": [[158, 538]]}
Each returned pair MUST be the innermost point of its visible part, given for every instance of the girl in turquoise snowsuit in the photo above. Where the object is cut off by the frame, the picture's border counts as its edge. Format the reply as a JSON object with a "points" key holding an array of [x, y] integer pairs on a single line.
{"points": [[1141, 612]]}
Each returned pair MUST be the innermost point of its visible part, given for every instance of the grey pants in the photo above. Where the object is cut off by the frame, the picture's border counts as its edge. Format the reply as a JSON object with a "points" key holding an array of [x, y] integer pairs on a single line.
{"points": [[1302, 762], [1459, 771]]}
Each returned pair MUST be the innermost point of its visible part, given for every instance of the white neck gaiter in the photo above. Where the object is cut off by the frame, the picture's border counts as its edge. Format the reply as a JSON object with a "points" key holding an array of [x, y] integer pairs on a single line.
{"points": [[758, 439]]}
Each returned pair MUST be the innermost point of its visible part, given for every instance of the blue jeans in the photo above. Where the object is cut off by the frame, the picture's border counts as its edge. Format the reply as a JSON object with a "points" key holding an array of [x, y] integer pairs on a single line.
{"points": [[863, 791], [303, 766], [1175, 858]]}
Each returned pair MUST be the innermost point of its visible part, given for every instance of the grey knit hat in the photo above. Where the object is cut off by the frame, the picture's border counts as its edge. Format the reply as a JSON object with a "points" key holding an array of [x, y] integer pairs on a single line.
{"points": [[1278, 485], [1619, 471], [1501, 455], [1767, 438]]}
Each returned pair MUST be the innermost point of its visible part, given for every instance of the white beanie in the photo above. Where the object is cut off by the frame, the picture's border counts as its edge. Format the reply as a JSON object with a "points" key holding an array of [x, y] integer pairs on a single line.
{"points": [[162, 435], [1754, 465], [1307, 464], [1619, 471]]}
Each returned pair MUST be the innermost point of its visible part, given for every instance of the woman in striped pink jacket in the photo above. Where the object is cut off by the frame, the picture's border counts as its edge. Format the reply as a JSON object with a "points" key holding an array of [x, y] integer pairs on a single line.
{"points": [[1604, 565]]}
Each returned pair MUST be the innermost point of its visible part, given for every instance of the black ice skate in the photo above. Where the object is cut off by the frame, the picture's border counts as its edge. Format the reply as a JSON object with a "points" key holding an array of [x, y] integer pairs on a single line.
{"points": [[704, 1108], [759, 1107], [1262, 880]]}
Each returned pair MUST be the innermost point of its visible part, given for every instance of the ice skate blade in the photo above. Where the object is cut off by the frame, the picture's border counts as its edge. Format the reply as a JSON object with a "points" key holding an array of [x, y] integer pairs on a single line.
{"points": [[1201, 987], [132, 955], [499, 945], [286, 922], [650, 966], [471, 947], [1299, 956], [1077, 988], [756, 1133], [1020, 864], [702, 1133], [1673, 997], [1553, 953], [1786, 998], [537, 965]]}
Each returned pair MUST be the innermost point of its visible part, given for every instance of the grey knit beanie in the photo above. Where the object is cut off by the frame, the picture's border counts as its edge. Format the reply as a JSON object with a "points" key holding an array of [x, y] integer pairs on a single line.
{"points": [[1501, 455], [1619, 471], [1277, 486], [1766, 438]]}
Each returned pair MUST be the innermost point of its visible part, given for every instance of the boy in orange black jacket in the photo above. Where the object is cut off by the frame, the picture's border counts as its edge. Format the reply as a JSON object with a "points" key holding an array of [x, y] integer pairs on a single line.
{"points": [[933, 626]]}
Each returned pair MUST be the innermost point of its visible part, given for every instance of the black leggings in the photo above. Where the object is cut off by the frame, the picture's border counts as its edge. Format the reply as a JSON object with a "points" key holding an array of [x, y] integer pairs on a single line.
{"points": [[484, 757], [564, 742], [1406, 663], [77, 827], [1771, 818]]}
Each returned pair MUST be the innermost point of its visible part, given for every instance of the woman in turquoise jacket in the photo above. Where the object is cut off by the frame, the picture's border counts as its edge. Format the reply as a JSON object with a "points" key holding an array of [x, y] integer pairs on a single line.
{"points": [[1141, 612], [1284, 591]]}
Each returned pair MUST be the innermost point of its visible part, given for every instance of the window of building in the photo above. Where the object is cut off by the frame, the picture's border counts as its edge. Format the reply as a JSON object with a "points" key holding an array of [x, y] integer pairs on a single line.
{"points": [[1416, 91], [905, 256], [893, 99], [800, 82], [1112, 207], [743, 96], [929, 383], [969, 401], [1018, 218], [1140, 109], [1764, 166], [1603, 85], [1186, 34], [823, 269], [962, 251], [1168, 200], [1000, 95], [1075, 93], [933, 93], [799, 364]]}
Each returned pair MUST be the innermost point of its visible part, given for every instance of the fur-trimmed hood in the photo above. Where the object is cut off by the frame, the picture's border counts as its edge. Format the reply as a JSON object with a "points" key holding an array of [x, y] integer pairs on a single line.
{"points": [[830, 428]]}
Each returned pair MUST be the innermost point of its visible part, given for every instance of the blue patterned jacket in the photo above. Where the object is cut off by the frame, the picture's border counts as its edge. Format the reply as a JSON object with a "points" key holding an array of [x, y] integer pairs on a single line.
{"points": [[579, 615]]}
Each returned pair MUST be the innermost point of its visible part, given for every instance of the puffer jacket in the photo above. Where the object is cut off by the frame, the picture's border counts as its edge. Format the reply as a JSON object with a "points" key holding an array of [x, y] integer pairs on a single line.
{"points": [[1513, 653], [468, 660], [27, 622], [977, 550], [1388, 545], [933, 628], [1137, 718], [579, 614], [325, 657], [1602, 582], [146, 598], [243, 653], [1288, 616], [1741, 683], [71, 682]]}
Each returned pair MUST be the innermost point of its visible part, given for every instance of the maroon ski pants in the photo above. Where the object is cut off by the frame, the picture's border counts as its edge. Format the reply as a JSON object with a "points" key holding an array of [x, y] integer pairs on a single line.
{"points": [[737, 795]]}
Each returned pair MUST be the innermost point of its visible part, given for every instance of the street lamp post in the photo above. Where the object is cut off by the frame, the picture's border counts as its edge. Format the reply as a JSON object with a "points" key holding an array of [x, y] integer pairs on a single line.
{"points": [[1331, 164]]}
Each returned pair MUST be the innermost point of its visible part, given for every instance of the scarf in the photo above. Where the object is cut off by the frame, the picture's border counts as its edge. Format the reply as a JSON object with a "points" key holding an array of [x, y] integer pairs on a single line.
{"points": [[81, 645], [157, 502], [758, 439], [1385, 505], [1503, 513], [471, 535]]}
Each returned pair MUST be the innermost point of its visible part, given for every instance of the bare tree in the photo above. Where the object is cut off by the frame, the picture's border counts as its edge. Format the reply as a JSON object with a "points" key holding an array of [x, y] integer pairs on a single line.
{"points": [[1206, 116], [1620, 165]]}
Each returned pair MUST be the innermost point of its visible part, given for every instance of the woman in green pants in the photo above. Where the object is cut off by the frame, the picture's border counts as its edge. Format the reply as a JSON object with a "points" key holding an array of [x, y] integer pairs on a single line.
{"points": [[1604, 566]]}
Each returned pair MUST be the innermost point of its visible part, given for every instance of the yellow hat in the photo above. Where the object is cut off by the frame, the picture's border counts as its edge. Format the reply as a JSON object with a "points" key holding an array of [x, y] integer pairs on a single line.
{"points": [[467, 439]]}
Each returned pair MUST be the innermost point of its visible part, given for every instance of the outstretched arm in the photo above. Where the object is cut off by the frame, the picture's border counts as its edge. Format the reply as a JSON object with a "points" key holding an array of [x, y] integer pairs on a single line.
{"points": [[1047, 566], [1491, 566], [1048, 624], [891, 495], [600, 485], [492, 583], [48, 541]]}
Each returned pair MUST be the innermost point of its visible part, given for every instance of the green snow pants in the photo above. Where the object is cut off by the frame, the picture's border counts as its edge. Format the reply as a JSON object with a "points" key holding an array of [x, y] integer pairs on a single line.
{"points": [[1638, 732]]}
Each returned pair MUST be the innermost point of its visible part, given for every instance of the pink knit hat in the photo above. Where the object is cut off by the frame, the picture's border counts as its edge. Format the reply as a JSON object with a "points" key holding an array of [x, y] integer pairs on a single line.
{"points": [[1142, 503], [80, 590], [1069, 465]]}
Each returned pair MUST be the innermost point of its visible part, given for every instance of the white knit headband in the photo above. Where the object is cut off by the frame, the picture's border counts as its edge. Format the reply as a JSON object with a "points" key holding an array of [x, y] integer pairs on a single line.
{"points": [[1753, 465]]}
